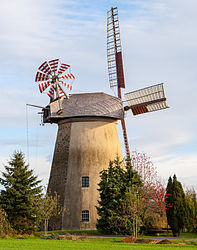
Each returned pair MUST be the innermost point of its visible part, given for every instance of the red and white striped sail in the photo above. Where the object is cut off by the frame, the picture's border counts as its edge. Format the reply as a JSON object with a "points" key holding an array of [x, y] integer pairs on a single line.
{"points": [[60, 91], [51, 91], [54, 65], [63, 67], [68, 86], [41, 77], [43, 86], [45, 68], [49, 76], [68, 76]]}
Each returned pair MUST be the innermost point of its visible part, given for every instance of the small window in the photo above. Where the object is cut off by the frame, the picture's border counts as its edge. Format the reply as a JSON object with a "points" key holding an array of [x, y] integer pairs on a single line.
{"points": [[85, 181], [85, 215]]}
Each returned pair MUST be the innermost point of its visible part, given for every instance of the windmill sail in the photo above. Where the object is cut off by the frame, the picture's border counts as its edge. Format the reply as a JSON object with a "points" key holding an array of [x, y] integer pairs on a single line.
{"points": [[54, 64], [63, 67], [49, 77], [114, 50], [147, 100], [45, 68], [115, 63]]}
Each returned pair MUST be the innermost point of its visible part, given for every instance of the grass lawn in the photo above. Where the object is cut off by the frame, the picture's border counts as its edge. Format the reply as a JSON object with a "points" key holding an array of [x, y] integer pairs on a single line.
{"points": [[42, 244], [182, 236], [95, 232]]}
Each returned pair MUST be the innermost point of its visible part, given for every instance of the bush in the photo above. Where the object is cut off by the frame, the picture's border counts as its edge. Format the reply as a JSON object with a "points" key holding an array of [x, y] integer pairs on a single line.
{"points": [[5, 228]]}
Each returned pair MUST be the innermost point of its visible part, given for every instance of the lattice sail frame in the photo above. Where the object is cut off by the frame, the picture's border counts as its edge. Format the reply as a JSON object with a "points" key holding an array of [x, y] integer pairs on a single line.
{"points": [[49, 74], [147, 99], [115, 63], [114, 50]]}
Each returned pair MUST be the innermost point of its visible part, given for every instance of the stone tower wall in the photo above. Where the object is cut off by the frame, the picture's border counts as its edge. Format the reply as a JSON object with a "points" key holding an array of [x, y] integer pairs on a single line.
{"points": [[82, 149]]}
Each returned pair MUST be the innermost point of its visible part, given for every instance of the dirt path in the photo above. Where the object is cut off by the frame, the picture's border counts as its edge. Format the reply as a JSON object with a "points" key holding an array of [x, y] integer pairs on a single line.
{"points": [[142, 237]]}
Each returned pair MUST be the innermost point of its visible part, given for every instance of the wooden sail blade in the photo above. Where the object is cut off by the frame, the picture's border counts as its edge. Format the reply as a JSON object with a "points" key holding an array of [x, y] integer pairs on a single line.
{"points": [[114, 50], [51, 92], [45, 68], [41, 77], [43, 86], [68, 76], [120, 72], [67, 85], [61, 93], [54, 65], [147, 100], [63, 67]]}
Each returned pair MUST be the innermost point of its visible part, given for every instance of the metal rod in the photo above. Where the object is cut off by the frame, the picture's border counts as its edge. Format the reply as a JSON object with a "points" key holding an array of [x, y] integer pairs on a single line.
{"points": [[35, 106]]}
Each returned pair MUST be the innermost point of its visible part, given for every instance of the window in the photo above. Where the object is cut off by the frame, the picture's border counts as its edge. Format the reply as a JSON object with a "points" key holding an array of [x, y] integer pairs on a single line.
{"points": [[85, 215], [85, 181]]}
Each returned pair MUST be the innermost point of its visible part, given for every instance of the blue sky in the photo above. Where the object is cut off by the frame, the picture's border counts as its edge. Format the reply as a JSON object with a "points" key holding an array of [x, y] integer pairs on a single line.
{"points": [[159, 41]]}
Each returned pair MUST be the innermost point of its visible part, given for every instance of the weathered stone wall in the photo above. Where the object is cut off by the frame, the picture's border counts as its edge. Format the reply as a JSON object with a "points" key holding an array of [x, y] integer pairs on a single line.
{"points": [[58, 175], [82, 149]]}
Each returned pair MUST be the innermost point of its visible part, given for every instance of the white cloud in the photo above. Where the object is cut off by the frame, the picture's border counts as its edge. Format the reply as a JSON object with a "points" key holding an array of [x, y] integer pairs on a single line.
{"points": [[155, 136], [183, 165]]}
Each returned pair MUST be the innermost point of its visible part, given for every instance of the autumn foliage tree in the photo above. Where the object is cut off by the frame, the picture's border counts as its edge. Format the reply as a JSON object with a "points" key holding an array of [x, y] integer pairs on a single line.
{"points": [[152, 191]]}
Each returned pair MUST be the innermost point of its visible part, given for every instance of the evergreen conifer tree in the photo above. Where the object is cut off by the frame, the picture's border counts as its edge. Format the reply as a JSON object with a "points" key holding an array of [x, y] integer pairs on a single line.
{"points": [[113, 188], [20, 195], [169, 201], [175, 206]]}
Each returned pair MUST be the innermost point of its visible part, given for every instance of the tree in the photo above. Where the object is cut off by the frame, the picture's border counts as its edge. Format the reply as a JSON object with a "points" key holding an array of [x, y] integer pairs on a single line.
{"points": [[152, 191], [5, 227], [133, 207], [175, 206], [169, 201], [115, 181], [130, 196], [49, 206], [22, 190], [143, 165], [111, 189], [191, 204]]}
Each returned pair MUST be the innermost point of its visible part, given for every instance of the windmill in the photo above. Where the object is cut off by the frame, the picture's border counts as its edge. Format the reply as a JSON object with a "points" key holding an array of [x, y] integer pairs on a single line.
{"points": [[87, 137], [140, 101]]}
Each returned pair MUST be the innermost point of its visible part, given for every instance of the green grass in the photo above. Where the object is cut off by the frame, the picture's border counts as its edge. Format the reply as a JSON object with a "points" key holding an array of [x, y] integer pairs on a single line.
{"points": [[95, 232], [182, 235], [92, 244]]}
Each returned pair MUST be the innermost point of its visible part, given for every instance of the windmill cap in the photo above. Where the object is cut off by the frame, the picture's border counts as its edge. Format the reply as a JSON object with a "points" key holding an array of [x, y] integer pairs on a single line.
{"points": [[90, 105]]}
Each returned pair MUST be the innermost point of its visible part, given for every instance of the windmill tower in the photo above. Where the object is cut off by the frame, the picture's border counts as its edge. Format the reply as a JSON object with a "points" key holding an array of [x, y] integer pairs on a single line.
{"points": [[87, 137], [87, 140]]}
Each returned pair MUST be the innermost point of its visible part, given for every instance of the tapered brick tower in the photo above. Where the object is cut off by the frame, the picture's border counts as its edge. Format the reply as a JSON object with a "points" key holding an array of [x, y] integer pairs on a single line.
{"points": [[87, 140]]}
